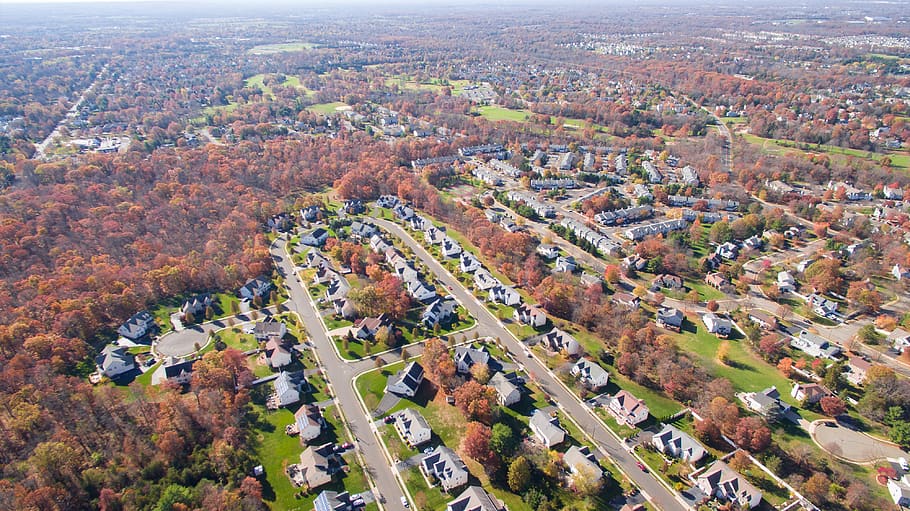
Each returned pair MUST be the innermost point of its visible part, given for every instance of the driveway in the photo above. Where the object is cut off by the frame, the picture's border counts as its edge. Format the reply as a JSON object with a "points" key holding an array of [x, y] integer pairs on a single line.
{"points": [[852, 445]]}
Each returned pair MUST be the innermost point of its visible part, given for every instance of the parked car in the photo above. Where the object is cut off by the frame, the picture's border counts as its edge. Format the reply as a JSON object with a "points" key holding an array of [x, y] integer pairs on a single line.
{"points": [[641, 466], [358, 502], [347, 445], [404, 502]]}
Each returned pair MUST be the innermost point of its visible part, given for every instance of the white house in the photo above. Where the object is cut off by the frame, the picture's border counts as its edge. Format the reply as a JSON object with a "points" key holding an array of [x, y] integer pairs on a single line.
{"points": [[628, 409], [785, 282], [548, 251], [468, 263], [286, 390], [260, 286], [899, 272], [137, 326], [467, 356], [407, 381], [815, 345], [504, 295], [263, 330], [899, 339], [450, 248], [309, 422], [900, 491], [443, 465], [809, 392], [673, 442], [439, 312], [530, 315], [420, 291], [484, 280], [722, 482], [565, 264], [546, 429], [766, 402], [315, 238], [475, 498], [581, 462], [433, 236], [556, 341], [506, 388], [717, 325], [590, 374], [412, 427], [115, 360]]}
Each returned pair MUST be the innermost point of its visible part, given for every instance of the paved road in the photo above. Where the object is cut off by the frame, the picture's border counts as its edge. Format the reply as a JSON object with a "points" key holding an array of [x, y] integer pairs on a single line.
{"points": [[183, 342], [70, 114], [341, 375], [852, 445], [569, 402]]}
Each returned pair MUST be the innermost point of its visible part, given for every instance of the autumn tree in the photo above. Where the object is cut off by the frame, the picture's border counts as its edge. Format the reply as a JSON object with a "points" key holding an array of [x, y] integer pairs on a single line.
{"points": [[481, 373], [477, 402], [751, 433], [519, 474], [438, 364], [476, 445], [832, 406]]}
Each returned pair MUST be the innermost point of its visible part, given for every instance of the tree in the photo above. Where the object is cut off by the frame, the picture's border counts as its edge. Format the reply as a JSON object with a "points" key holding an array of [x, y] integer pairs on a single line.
{"points": [[502, 440], [481, 373], [832, 406], [712, 306], [438, 364], [585, 481], [816, 488], [476, 401], [519, 474], [740, 461], [476, 445], [900, 434], [785, 366], [723, 352], [707, 431], [752, 434], [384, 336]]}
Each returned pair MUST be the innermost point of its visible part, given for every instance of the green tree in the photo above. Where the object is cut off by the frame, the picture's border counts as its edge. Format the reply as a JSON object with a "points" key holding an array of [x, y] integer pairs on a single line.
{"points": [[900, 434], [502, 440], [519, 474]]}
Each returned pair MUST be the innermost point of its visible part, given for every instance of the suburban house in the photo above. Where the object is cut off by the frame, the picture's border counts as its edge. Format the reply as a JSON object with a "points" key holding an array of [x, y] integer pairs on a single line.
{"points": [[627, 300], [260, 286], [443, 465], [419, 223], [309, 422], [310, 213], [412, 427], [717, 325], [378, 244], [467, 356], [362, 230], [506, 387], [821, 305], [450, 248], [809, 392], [137, 326], [665, 280], [338, 289], [387, 201], [716, 280], [277, 353], [900, 491], [858, 367], [317, 466], [286, 390], [280, 222], [673, 442], [484, 280], [420, 291], [634, 262], [403, 212], [475, 498], [407, 381], [354, 207], [565, 264], [174, 371], [581, 462], [815, 345], [468, 263], [722, 482], [899, 339], [753, 242], [548, 251], [315, 259], [557, 341], [196, 306], [546, 429], [315, 238], [115, 360], [628, 409], [433, 236], [366, 328], [344, 308], [530, 315], [766, 402], [763, 319], [325, 274], [786, 283], [504, 295], [590, 374], [328, 500], [670, 318], [727, 250], [440, 311], [264, 330], [893, 192]]}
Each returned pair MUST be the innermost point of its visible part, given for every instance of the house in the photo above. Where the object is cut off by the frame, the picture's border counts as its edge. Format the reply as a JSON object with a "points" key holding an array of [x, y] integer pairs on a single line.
{"points": [[530, 315], [310, 213], [627, 299], [354, 207], [713, 260], [634, 262], [366, 328], [809, 392], [174, 371], [900, 491], [402, 269], [484, 280], [821, 305], [717, 325], [317, 466], [387, 201], [504, 295], [893, 193], [899, 339], [315, 259], [433, 236], [362, 230], [670, 318], [407, 381], [277, 353], [467, 356], [419, 223], [315, 238], [260, 286], [493, 216], [546, 429], [763, 319], [673, 442], [565, 264], [785, 282], [858, 368], [581, 463], [196, 306], [716, 280], [440, 311], [688, 176], [506, 387], [628, 409], [344, 308], [766, 402], [815, 345], [450, 248], [722, 482], [443, 465], [420, 291], [137, 326], [378, 244], [280, 222], [475, 498], [338, 289], [547, 251], [753, 242], [309, 422], [115, 360], [325, 274], [264, 330], [899, 272], [412, 427], [286, 391], [468, 263], [590, 374], [329, 500], [727, 250], [665, 280], [403, 212], [558, 341]]}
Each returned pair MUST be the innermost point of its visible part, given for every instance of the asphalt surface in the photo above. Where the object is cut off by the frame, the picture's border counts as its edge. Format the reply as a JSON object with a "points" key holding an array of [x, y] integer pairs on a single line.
{"points": [[570, 404]]}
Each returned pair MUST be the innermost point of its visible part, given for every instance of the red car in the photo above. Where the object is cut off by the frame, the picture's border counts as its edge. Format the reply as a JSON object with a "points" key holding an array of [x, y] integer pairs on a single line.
{"points": [[641, 466]]}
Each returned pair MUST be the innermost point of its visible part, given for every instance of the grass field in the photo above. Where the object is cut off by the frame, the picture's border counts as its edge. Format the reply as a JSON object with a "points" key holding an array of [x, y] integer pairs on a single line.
{"points": [[496, 113], [325, 108], [899, 159], [269, 49]]}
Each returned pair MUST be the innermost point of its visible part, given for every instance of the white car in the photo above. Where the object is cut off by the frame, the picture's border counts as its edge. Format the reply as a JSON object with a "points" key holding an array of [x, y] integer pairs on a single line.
{"points": [[404, 502]]}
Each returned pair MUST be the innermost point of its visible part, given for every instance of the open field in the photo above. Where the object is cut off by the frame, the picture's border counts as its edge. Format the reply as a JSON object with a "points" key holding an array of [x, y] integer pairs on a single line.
{"points": [[326, 108], [899, 159], [268, 49]]}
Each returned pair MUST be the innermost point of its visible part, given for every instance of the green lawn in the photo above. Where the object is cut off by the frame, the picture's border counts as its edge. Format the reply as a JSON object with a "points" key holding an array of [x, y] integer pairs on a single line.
{"points": [[371, 385], [268, 49], [497, 113], [325, 108], [145, 379], [899, 159], [659, 404]]}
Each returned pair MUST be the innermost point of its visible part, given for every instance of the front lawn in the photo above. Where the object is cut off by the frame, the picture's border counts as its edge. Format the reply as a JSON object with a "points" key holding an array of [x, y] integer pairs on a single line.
{"points": [[371, 385]]}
